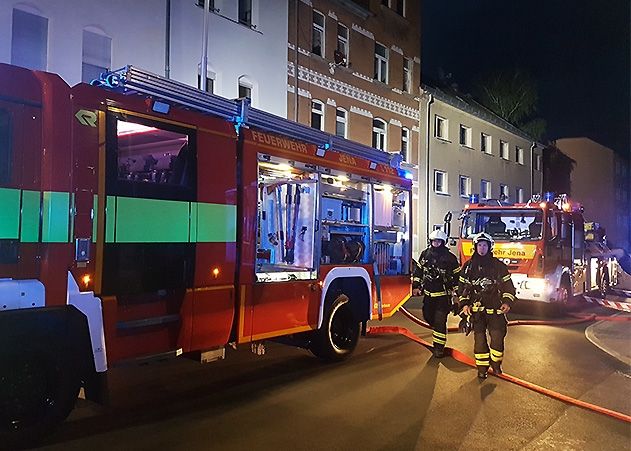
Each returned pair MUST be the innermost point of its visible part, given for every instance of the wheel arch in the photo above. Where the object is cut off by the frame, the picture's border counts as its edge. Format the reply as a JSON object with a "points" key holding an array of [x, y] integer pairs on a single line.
{"points": [[355, 283]]}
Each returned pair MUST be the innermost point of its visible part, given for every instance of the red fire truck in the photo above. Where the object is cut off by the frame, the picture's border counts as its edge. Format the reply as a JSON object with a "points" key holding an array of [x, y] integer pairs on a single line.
{"points": [[144, 218], [543, 242]]}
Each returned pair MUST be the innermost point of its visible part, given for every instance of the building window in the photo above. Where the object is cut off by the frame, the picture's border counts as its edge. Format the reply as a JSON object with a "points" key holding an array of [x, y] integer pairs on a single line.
{"points": [[465, 186], [381, 63], [341, 123], [405, 143], [465, 136], [537, 162], [317, 46], [441, 128], [341, 52], [245, 91], [317, 114], [211, 4], [485, 143], [29, 40], [379, 134], [519, 195], [407, 74], [503, 150], [210, 86], [485, 189], [504, 193], [519, 155], [440, 182], [400, 7], [245, 12], [96, 56]]}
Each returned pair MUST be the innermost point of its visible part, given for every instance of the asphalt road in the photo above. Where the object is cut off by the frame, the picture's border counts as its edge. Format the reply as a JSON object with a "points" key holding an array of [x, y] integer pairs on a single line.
{"points": [[391, 395]]}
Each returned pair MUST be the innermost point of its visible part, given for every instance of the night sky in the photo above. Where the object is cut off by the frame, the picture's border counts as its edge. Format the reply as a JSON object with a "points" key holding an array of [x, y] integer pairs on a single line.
{"points": [[577, 51]]}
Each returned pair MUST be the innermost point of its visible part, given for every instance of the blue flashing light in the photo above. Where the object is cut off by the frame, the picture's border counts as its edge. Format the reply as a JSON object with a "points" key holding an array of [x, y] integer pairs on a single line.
{"points": [[408, 175], [474, 198], [161, 107], [548, 196]]}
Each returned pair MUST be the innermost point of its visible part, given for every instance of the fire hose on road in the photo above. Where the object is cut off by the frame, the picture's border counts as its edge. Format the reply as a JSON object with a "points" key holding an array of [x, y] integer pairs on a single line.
{"points": [[465, 359]]}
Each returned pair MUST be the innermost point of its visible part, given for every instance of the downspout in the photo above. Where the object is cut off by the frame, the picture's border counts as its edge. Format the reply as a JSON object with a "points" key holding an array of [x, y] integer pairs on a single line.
{"points": [[430, 100], [296, 6], [532, 168], [203, 67], [167, 42]]}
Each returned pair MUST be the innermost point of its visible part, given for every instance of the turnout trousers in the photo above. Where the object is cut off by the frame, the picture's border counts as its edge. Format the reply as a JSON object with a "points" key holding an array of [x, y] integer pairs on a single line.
{"points": [[495, 322], [435, 311]]}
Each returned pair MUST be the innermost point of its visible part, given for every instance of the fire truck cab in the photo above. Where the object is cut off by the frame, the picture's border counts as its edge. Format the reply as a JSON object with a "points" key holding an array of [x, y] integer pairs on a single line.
{"points": [[543, 244]]}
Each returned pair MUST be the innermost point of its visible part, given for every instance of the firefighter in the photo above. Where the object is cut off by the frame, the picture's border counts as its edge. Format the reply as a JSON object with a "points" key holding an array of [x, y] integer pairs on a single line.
{"points": [[486, 293], [435, 276]]}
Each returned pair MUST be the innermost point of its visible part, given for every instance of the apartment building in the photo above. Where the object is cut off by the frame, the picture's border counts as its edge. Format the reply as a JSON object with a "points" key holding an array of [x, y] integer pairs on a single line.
{"points": [[470, 150], [601, 181], [247, 50]]}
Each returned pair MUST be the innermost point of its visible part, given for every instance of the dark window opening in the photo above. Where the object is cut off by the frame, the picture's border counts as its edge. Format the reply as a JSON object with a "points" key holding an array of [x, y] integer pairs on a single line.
{"points": [[211, 4], [5, 147], [245, 12], [245, 92], [210, 84]]}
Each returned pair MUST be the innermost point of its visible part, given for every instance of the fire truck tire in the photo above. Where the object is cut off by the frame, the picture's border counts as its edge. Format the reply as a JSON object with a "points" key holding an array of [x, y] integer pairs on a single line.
{"points": [[38, 389], [337, 338], [566, 301]]}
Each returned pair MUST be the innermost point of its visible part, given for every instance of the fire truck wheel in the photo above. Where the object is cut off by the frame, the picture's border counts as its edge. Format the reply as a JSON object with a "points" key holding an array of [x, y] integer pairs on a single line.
{"points": [[37, 392], [337, 338], [566, 299]]}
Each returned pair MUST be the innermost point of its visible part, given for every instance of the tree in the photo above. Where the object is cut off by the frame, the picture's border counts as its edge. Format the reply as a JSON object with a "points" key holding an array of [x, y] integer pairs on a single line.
{"points": [[513, 96]]}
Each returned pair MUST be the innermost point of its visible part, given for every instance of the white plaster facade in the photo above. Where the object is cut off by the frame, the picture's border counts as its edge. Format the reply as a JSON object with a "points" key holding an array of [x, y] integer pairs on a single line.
{"points": [[257, 54]]}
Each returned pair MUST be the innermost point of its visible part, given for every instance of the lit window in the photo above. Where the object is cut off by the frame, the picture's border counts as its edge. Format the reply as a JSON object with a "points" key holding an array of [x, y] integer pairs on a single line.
{"points": [[519, 195], [341, 53], [503, 150], [317, 114], [465, 136], [317, 45], [407, 74], [245, 12], [485, 189], [340, 123], [465, 186], [519, 155], [381, 63], [379, 134], [504, 193], [440, 182], [441, 128], [405, 143], [96, 57], [537, 162], [485, 143], [29, 40]]}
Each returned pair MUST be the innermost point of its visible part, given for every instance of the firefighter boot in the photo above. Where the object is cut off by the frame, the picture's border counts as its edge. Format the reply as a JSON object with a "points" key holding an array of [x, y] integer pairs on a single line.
{"points": [[482, 372], [438, 351], [496, 367]]}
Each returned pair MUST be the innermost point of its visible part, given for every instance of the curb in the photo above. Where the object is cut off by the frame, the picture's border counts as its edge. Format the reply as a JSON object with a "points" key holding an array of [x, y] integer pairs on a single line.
{"points": [[591, 336]]}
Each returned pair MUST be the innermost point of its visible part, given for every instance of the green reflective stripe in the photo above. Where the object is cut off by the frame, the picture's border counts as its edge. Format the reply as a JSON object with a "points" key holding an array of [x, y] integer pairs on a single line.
{"points": [[484, 355], [151, 221], [110, 216], [482, 362], [439, 334], [434, 294], [55, 217], [463, 298], [506, 278], [440, 341], [10, 217], [463, 279], [496, 358], [193, 222], [95, 210], [216, 223], [456, 270], [29, 229], [497, 353]]}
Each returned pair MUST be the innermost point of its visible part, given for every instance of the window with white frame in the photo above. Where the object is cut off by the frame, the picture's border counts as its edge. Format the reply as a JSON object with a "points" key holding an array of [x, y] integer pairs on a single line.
{"points": [[96, 55], [465, 136], [29, 40], [317, 37], [465, 186], [341, 53], [405, 143], [400, 8], [504, 192], [211, 4], [317, 114], [441, 127], [485, 189], [519, 155], [503, 150], [537, 162], [485, 143], [245, 12], [381, 63], [407, 74], [519, 195], [210, 84], [245, 89], [440, 182], [379, 134], [341, 122]]}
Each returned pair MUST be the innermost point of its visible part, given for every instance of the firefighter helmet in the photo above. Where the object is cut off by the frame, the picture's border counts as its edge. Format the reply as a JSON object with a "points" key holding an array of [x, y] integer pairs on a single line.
{"points": [[438, 235], [484, 237]]}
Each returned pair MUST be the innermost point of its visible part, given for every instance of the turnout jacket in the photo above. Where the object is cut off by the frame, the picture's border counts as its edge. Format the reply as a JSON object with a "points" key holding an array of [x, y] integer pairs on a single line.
{"points": [[436, 272], [485, 283]]}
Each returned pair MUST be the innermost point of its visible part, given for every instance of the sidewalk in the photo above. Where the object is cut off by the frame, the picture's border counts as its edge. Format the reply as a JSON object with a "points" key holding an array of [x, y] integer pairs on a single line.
{"points": [[613, 337]]}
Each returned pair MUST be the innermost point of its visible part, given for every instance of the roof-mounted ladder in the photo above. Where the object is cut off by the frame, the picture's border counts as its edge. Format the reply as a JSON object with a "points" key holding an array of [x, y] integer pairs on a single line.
{"points": [[131, 80]]}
